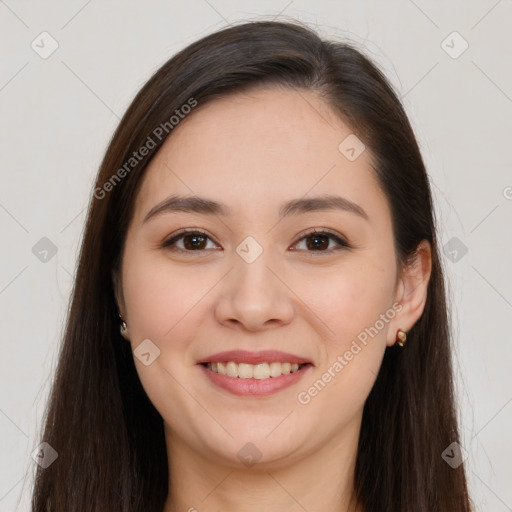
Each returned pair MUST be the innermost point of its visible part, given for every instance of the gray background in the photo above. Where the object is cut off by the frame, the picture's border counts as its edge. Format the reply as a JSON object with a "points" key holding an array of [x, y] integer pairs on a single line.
{"points": [[58, 113]]}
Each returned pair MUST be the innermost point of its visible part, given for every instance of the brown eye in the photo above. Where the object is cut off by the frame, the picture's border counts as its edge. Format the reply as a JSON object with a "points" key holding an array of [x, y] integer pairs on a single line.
{"points": [[320, 241], [189, 241], [192, 242], [317, 242]]}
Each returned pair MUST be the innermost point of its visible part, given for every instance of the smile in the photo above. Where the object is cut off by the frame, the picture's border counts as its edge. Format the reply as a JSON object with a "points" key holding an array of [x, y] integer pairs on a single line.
{"points": [[254, 380]]}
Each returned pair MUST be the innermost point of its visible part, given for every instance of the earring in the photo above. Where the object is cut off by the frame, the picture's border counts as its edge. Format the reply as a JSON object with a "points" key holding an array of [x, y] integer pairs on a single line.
{"points": [[123, 328], [401, 337]]}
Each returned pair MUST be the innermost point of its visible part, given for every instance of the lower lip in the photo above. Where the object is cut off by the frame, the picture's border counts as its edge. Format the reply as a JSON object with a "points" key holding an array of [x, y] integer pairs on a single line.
{"points": [[255, 387]]}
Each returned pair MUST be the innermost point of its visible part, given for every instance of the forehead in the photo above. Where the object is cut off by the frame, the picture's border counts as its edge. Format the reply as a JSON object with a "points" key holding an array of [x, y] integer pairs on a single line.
{"points": [[256, 149]]}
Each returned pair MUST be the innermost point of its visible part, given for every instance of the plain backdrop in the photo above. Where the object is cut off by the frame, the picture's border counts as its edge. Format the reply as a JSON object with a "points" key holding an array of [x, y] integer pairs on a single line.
{"points": [[450, 62]]}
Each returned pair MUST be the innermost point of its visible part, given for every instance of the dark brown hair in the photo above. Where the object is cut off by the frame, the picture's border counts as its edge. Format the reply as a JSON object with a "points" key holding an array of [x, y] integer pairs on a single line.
{"points": [[108, 435]]}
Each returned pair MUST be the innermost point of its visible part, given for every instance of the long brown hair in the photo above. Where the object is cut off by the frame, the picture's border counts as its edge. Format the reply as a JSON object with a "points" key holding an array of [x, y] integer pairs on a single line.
{"points": [[108, 435]]}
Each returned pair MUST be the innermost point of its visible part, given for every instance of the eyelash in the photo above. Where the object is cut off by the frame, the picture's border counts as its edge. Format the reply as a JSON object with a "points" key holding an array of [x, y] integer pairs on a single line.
{"points": [[342, 243]]}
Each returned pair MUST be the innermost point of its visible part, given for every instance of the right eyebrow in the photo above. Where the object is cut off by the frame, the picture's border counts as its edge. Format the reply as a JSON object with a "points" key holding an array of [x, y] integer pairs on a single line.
{"points": [[188, 204]]}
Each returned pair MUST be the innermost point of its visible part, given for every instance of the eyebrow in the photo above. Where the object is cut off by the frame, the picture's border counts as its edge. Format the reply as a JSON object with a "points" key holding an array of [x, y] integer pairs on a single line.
{"points": [[202, 205]]}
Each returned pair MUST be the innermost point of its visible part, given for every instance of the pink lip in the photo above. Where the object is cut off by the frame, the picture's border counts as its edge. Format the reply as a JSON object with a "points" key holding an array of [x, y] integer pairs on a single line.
{"points": [[254, 387], [263, 356]]}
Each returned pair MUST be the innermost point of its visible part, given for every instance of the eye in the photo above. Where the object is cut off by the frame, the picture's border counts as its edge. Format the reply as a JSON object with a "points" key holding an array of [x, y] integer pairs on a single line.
{"points": [[189, 241], [197, 241], [320, 241]]}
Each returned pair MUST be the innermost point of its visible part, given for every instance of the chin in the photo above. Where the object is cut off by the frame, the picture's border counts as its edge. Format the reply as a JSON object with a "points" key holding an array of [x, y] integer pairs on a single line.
{"points": [[256, 447]]}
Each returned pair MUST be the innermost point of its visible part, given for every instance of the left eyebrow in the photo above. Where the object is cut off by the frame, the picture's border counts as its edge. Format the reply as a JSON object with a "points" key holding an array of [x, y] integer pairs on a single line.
{"points": [[202, 205], [321, 203]]}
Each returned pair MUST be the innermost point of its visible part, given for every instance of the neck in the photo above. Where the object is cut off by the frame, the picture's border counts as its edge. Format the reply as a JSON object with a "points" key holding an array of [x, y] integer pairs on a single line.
{"points": [[324, 480]]}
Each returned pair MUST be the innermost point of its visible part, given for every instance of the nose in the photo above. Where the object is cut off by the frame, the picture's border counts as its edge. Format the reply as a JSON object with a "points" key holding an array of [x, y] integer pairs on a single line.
{"points": [[254, 297]]}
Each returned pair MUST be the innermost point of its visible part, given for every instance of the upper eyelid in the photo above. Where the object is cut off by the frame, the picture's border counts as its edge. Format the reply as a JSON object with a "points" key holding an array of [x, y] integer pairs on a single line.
{"points": [[321, 231]]}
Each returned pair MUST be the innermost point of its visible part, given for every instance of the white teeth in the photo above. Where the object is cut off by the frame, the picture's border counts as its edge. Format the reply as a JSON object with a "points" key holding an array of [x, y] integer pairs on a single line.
{"points": [[253, 371], [232, 369], [245, 371], [275, 369], [261, 371]]}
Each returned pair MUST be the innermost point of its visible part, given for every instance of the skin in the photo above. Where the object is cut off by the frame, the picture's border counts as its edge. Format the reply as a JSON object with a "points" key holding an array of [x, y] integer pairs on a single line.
{"points": [[254, 151]]}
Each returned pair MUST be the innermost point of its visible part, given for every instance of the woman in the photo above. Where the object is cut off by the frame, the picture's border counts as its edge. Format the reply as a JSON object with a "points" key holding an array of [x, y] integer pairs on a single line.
{"points": [[258, 320]]}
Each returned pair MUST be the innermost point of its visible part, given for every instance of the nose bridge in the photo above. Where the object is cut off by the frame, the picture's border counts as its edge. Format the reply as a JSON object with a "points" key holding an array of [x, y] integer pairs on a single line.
{"points": [[252, 279], [253, 295], [251, 261]]}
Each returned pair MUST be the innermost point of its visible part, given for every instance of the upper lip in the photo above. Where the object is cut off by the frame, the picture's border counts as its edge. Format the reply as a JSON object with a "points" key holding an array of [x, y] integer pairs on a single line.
{"points": [[263, 356]]}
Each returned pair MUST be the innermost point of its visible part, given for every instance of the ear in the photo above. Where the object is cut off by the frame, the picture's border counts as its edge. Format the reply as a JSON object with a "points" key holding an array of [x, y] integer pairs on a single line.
{"points": [[411, 291]]}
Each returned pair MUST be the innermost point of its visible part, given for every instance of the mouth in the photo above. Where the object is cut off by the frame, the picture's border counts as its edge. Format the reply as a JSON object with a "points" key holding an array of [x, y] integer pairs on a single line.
{"points": [[254, 374]]}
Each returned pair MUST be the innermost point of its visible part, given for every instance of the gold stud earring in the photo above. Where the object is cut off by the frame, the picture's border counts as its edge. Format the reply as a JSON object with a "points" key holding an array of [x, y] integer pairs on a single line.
{"points": [[123, 328], [401, 337]]}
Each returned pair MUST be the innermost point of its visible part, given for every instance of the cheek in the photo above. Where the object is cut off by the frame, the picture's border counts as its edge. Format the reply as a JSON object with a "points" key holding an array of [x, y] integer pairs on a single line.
{"points": [[352, 305], [158, 296], [349, 300]]}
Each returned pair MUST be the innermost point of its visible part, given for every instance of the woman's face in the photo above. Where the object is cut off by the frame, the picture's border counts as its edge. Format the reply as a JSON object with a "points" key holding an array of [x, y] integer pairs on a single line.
{"points": [[258, 173]]}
